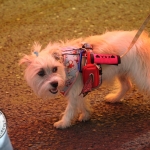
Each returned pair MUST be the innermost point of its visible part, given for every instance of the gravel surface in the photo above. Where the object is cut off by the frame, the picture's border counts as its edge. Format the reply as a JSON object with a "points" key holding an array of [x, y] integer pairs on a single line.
{"points": [[122, 126]]}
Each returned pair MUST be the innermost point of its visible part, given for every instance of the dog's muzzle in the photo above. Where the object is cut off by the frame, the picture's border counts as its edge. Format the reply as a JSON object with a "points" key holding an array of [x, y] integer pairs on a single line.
{"points": [[54, 85]]}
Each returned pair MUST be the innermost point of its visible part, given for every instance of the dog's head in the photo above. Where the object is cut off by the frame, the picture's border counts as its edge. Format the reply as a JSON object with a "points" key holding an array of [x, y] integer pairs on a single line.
{"points": [[44, 72]]}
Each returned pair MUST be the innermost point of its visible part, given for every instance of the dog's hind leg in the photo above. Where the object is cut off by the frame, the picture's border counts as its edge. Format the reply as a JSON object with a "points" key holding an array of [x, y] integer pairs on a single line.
{"points": [[125, 85]]}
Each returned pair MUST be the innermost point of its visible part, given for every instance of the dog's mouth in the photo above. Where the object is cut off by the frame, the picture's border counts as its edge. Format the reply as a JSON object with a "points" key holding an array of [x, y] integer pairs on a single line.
{"points": [[53, 91]]}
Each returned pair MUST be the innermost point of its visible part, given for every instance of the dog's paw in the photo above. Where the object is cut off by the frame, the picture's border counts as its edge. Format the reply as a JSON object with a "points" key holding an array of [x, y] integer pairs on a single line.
{"points": [[84, 117], [61, 124], [112, 98]]}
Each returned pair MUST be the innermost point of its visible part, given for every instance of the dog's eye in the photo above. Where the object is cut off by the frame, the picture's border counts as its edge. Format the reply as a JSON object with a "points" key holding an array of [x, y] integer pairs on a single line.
{"points": [[41, 73], [54, 69]]}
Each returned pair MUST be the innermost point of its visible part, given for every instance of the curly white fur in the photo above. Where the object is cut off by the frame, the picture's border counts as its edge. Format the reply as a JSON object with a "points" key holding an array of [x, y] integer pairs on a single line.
{"points": [[134, 66]]}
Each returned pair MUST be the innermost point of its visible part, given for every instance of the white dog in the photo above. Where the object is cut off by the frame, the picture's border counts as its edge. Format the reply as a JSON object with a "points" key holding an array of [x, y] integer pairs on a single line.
{"points": [[46, 72]]}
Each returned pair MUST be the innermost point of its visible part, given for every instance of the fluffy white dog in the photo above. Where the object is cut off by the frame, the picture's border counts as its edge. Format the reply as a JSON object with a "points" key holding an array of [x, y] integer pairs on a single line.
{"points": [[46, 72]]}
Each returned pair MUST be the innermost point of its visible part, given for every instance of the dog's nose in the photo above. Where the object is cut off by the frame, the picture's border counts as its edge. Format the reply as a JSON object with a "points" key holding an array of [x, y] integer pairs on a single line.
{"points": [[54, 84]]}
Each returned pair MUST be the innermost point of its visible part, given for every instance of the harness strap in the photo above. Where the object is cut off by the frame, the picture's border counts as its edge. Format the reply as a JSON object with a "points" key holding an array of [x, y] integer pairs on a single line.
{"points": [[88, 57]]}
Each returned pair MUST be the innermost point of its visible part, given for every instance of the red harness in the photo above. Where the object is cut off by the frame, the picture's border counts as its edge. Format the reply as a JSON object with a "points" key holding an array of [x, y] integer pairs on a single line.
{"points": [[90, 67], [92, 75], [91, 70]]}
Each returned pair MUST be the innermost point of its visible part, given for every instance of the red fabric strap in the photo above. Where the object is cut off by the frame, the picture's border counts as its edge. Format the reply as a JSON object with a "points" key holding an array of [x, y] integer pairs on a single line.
{"points": [[88, 57]]}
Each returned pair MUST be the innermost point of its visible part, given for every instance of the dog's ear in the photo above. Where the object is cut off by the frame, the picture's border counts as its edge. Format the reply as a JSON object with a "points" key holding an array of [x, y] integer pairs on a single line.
{"points": [[57, 56], [26, 60]]}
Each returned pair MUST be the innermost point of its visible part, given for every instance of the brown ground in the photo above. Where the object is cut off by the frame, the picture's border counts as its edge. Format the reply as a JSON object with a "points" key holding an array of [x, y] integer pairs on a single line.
{"points": [[30, 120]]}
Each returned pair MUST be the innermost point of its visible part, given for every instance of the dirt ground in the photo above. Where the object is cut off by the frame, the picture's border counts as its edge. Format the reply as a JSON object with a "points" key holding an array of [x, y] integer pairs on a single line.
{"points": [[123, 126]]}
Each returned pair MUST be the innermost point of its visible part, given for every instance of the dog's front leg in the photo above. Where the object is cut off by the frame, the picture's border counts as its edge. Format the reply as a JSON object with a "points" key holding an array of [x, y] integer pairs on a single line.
{"points": [[70, 112], [84, 109]]}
